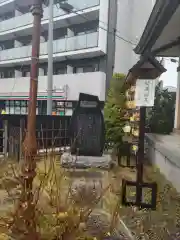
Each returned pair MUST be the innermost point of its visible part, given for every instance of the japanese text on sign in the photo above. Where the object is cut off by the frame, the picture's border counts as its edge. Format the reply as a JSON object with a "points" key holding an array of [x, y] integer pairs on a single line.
{"points": [[145, 93]]}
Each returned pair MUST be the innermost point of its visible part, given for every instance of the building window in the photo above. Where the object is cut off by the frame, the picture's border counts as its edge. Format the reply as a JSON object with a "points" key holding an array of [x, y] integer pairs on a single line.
{"points": [[10, 74], [1, 74], [85, 28], [26, 72], [16, 107], [89, 69], [86, 68], [42, 107], [2, 47], [77, 70], [59, 70], [17, 110], [20, 107], [59, 108], [7, 73], [8, 15]]}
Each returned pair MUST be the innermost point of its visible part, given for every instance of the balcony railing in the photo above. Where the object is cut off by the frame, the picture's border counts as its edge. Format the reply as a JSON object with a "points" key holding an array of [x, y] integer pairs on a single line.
{"points": [[59, 46], [27, 18]]}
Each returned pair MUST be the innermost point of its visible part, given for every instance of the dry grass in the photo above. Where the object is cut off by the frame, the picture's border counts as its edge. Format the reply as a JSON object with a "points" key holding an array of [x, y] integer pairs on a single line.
{"points": [[162, 224], [66, 201], [71, 198]]}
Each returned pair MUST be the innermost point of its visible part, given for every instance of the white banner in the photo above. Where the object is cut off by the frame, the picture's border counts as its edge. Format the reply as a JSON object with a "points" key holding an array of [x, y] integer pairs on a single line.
{"points": [[145, 93]]}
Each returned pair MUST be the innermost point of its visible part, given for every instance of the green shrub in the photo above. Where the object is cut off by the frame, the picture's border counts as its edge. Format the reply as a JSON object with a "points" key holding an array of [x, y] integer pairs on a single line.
{"points": [[115, 109], [160, 118]]}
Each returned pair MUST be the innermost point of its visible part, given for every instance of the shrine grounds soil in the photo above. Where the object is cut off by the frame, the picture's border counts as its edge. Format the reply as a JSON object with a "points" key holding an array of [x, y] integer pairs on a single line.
{"points": [[162, 224]]}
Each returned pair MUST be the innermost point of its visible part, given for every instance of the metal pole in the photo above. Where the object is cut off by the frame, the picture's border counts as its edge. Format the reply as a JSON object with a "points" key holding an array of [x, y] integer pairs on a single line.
{"points": [[140, 153], [50, 59], [177, 106], [25, 214]]}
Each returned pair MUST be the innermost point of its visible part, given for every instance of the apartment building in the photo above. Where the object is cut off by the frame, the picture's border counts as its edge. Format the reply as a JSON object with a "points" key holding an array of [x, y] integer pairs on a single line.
{"points": [[91, 41]]}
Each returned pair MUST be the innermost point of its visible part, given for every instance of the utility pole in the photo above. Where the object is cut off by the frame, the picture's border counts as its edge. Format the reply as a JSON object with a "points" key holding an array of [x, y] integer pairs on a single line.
{"points": [[50, 59], [25, 213]]}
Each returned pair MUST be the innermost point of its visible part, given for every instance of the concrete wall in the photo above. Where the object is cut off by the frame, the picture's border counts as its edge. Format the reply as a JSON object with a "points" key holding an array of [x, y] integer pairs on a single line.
{"points": [[160, 158]]}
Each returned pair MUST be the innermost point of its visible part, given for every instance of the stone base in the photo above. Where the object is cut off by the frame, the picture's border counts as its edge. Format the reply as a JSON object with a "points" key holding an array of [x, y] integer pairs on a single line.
{"points": [[176, 131], [83, 162]]}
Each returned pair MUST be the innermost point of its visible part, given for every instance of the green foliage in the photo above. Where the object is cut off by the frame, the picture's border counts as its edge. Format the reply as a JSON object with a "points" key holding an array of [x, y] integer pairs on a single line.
{"points": [[161, 117], [114, 110]]}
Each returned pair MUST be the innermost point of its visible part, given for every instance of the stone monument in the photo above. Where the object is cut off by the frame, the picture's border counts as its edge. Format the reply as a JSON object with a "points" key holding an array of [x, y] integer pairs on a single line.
{"points": [[87, 128]]}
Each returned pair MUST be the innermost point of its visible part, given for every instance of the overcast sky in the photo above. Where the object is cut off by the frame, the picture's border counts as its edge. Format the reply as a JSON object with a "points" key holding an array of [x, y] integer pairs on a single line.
{"points": [[170, 77]]}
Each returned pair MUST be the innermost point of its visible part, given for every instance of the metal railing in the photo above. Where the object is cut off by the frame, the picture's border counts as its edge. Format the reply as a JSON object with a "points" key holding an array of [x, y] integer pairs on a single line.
{"points": [[51, 132], [27, 19], [59, 46]]}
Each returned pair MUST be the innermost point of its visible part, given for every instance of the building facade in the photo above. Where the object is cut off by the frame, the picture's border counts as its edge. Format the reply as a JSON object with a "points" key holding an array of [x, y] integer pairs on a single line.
{"points": [[91, 42]]}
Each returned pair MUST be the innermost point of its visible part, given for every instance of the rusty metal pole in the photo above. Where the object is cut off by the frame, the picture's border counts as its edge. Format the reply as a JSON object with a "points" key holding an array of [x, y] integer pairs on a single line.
{"points": [[30, 146], [25, 214]]}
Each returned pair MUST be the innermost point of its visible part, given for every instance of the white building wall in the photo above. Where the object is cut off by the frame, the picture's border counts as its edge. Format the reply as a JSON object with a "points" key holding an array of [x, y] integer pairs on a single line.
{"points": [[123, 27], [103, 24], [90, 83], [131, 20], [141, 12]]}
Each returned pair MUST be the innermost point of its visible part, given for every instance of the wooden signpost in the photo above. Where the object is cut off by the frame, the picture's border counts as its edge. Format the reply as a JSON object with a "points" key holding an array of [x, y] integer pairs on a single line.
{"points": [[146, 71]]}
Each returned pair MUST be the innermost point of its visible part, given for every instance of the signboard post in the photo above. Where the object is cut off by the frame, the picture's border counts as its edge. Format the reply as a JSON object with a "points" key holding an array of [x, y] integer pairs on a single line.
{"points": [[144, 97], [144, 73]]}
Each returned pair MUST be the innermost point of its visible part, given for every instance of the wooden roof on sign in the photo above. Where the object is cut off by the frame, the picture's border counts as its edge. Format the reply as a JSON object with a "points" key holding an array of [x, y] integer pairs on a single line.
{"points": [[148, 67]]}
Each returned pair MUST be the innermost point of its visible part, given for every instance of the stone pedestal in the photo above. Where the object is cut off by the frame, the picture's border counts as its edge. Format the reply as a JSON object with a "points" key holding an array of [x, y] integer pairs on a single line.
{"points": [[87, 185], [83, 162]]}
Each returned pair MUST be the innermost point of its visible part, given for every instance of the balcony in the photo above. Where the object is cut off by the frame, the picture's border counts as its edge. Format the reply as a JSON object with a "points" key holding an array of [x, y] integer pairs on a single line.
{"points": [[25, 21], [67, 86], [4, 1], [62, 48]]}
